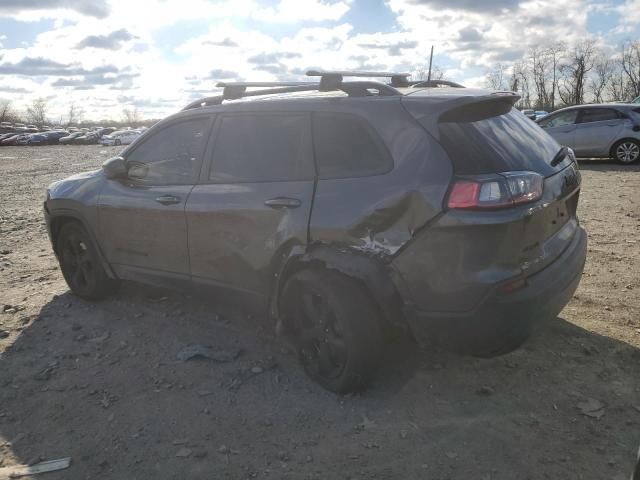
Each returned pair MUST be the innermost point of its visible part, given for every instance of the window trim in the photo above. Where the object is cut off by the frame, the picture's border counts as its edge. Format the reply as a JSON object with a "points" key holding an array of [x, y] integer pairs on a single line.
{"points": [[211, 117], [205, 177], [372, 132]]}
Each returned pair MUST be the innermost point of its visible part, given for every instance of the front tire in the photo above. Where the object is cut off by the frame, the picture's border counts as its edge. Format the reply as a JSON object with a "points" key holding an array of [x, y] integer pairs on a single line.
{"points": [[336, 327], [626, 151], [117, 143], [81, 265]]}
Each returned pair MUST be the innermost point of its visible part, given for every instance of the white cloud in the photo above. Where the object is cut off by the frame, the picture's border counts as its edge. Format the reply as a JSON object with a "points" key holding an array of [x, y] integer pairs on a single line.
{"points": [[301, 10]]}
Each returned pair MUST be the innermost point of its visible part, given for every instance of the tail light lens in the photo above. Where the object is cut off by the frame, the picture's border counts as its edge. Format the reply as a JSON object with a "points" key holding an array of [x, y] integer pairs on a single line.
{"points": [[496, 191]]}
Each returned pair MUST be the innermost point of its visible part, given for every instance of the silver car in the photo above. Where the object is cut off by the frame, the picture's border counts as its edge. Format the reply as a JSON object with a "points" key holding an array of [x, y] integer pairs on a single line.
{"points": [[603, 131]]}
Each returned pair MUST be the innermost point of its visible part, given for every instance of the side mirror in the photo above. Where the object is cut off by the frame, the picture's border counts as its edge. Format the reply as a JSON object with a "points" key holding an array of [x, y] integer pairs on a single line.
{"points": [[115, 168]]}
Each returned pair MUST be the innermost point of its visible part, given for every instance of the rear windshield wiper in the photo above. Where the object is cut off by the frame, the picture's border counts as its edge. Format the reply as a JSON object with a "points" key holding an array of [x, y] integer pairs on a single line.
{"points": [[559, 156]]}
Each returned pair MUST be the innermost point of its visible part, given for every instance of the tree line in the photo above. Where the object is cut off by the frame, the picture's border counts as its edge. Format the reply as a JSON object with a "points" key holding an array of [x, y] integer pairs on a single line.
{"points": [[37, 113], [560, 75]]}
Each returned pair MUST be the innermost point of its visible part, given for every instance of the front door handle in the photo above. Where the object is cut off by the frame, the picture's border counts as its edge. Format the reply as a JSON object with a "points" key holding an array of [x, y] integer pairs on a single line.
{"points": [[168, 199], [283, 202]]}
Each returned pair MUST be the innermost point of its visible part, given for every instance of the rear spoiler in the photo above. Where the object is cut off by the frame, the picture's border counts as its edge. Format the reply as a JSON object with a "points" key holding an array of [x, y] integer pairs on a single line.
{"points": [[429, 110]]}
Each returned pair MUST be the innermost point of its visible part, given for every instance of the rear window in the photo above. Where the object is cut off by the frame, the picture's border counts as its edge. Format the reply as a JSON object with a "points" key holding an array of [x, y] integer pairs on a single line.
{"points": [[504, 142]]}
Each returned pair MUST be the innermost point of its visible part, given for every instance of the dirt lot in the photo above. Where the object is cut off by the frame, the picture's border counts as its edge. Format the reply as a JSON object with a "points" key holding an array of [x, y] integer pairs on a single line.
{"points": [[100, 382]]}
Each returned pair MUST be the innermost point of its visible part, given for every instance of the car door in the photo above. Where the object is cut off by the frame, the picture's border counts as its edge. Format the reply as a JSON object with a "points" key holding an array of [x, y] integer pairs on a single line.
{"points": [[561, 126], [142, 224], [596, 130], [254, 200]]}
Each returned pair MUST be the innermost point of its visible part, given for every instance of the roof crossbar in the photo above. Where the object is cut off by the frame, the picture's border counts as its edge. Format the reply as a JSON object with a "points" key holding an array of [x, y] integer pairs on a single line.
{"points": [[330, 77], [237, 90]]}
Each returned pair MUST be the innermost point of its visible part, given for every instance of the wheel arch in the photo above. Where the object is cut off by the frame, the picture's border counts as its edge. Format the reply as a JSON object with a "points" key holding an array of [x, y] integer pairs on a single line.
{"points": [[60, 219], [371, 272], [620, 140]]}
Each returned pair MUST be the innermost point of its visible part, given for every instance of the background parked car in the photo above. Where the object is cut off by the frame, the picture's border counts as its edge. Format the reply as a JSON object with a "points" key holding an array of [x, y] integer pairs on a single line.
{"points": [[122, 137], [38, 139], [529, 113], [53, 136], [4, 136], [68, 139], [602, 131], [540, 114], [86, 139]]}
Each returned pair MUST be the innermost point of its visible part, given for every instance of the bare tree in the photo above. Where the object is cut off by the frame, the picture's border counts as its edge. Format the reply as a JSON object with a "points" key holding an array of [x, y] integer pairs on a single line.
{"points": [[631, 66], [520, 82], [602, 75], [37, 112], [131, 117], [544, 65], [423, 73], [540, 69], [577, 66], [556, 52], [7, 114], [495, 77], [74, 114]]}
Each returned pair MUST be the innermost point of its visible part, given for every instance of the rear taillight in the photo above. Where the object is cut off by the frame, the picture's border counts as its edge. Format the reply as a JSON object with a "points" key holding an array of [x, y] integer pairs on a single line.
{"points": [[496, 191]]}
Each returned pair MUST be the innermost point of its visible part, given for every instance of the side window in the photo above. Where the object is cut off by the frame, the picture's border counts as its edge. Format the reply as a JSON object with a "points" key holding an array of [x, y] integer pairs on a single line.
{"points": [[598, 115], [171, 156], [347, 146], [262, 148], [559, 119]]}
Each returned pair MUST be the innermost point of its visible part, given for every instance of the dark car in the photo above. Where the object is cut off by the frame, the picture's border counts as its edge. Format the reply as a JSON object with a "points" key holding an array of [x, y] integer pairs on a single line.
{"points": [[86, 139], [38, 139], [68, 139], [4, 136], [17, 139], [345, 209], [54, 136], [47, 138]]}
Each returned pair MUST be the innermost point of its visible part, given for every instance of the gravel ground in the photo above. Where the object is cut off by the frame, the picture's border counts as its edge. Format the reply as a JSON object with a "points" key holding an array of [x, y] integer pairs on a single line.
{"points": [[99, 382]]}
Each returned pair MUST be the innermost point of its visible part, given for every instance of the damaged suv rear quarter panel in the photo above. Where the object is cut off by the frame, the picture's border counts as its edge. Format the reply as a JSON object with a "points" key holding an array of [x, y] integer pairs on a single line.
{"points": [[381, 213]]}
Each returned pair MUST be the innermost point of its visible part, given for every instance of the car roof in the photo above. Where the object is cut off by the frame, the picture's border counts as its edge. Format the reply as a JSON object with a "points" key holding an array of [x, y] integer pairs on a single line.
{"points": [[587, 106]]}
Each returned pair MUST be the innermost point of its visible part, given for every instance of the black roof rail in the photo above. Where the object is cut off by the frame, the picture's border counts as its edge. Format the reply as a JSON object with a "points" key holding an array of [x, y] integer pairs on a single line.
{"points": [[237, 90], [329, 78], [435, 83]]}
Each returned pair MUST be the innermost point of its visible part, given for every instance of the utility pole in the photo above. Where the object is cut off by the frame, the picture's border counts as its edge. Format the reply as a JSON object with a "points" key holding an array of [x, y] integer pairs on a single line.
{"points": [[430, 60]]}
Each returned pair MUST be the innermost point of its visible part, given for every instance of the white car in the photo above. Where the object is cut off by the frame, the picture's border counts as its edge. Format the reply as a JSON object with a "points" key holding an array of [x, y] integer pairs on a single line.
{"points": [[122, 137]]}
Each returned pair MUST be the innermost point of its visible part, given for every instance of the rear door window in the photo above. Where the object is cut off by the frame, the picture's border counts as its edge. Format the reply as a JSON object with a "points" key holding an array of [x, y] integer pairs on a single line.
{"points": [[589, 115], [262, 148], [347, 146]]}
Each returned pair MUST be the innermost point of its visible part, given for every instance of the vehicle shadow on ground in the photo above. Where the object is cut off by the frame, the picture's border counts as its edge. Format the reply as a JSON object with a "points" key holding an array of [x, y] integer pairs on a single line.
{"points": [[100, 382], [606, 165]]}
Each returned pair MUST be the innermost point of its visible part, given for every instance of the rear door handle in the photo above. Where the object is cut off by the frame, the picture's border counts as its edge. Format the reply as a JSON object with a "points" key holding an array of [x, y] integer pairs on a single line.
{"points": [[283, 202], [168, 199]]}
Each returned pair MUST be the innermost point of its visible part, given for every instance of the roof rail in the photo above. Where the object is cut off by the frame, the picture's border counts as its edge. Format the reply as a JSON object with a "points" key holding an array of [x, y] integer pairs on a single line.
{"points": [[329, 78], [237, 90], [435, 83]]}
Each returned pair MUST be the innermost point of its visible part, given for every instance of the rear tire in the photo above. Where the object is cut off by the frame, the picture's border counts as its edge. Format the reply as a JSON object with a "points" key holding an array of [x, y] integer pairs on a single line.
{"points": [[626, 151], [81, 265], [336, 327]]}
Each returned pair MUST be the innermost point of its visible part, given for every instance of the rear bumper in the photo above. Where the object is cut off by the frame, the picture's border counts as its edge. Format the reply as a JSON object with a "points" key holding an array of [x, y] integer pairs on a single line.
{"points": [[503, 316]]}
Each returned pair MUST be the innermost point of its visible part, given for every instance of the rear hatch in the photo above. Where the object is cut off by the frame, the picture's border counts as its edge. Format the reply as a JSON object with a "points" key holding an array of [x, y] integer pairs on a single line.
{"points": [[487, 139]]}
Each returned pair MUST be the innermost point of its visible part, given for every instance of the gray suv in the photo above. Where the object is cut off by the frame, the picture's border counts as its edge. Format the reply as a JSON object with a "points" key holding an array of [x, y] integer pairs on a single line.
{"points": [[345, 209]]}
